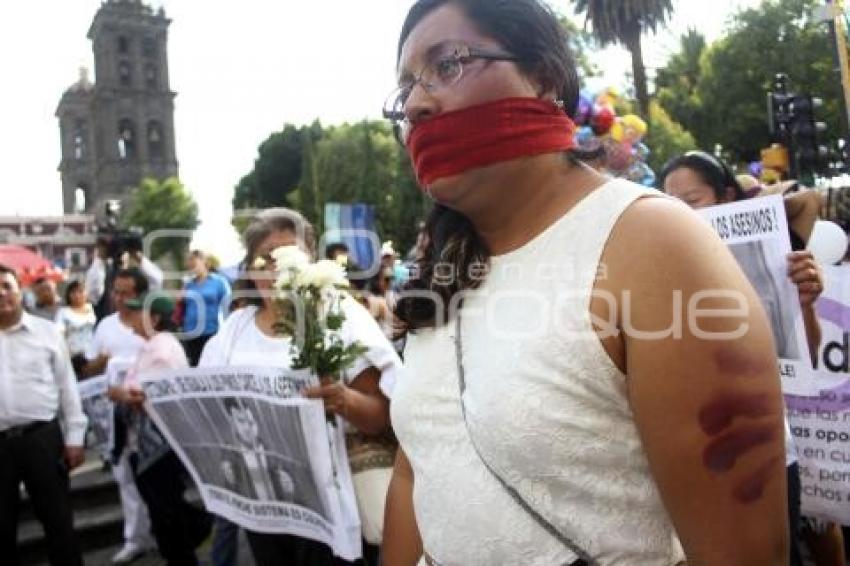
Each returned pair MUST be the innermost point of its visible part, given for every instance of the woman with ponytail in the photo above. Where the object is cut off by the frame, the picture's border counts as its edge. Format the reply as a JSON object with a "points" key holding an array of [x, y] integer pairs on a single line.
{"points": [[552, 412]]}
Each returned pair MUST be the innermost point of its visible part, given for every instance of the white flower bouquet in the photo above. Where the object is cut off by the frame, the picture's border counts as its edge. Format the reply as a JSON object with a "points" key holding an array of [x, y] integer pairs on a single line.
{"points": [[308, 300]]}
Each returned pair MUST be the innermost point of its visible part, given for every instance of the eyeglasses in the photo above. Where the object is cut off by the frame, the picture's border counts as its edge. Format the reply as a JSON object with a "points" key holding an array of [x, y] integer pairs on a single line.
{"points": [[443, 69]]}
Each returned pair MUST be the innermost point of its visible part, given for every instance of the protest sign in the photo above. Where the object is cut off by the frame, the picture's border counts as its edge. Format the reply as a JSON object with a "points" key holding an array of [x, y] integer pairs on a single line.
{"points": [[756, 231], [98, 408], [820, 420], [261, 454]]}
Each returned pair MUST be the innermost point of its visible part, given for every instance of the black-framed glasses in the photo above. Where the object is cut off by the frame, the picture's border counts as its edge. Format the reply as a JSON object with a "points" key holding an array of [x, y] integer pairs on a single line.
{"points": [[443, 69]]}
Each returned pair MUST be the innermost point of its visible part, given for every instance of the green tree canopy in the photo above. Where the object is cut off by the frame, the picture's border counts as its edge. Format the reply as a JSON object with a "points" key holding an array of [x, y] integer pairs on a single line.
{"points": [[665, 138], [363, 163], [348, 163], [727, 103], [582, 46], [277, 169], [163, 205], [623, 22]]}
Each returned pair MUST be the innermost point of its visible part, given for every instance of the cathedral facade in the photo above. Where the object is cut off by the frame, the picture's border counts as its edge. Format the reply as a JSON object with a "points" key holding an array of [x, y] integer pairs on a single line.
{"points": [[119, 129]]}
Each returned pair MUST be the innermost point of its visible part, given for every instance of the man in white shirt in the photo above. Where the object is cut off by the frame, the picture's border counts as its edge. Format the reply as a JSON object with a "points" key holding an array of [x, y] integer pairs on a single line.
{"points": [[115, 345], [96, 276], [42, 426]]}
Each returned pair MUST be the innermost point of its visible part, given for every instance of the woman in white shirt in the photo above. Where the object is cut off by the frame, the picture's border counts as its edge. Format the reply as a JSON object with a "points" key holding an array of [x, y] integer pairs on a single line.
{"points": [[76, 321], [590, 377], [248, 338]]}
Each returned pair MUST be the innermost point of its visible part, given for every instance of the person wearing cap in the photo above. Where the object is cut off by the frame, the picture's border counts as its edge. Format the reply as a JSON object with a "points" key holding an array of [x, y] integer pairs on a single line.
{"points": [[177, 526], [113, 349]]}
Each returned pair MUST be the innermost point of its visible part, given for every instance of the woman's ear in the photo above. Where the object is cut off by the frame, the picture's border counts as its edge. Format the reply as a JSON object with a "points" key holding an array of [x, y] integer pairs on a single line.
{"points": [[729, 195]]}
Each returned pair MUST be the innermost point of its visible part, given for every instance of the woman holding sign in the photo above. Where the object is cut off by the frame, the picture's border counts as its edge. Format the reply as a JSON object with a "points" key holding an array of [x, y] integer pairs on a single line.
{"points": [[701, 180], [248, 338]]}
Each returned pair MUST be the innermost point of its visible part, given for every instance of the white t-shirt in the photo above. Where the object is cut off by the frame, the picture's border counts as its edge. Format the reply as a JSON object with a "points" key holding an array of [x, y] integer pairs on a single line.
{"points": [[240, 342], [115, 339], [77, 328]]}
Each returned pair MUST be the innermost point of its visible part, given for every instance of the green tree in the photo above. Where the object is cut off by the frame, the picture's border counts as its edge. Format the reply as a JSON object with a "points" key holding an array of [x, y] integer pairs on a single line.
{"points": [[308, 197], [276, 172], [356, 163], [623, 22], [349, 163], [582, 46], [727, 105], [665, 138], [163, 205], [676, 82]]}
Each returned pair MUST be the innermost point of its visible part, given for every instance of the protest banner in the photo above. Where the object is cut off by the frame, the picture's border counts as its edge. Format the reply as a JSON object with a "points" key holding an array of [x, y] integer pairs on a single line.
{"points": [[261, 454], [817, 398], [98, 409], [756, 231], [97, 406], [820, 420]]}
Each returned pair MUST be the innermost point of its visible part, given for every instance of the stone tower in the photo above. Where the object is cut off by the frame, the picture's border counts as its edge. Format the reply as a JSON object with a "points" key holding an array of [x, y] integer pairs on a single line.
{"points": [[120, 129]]}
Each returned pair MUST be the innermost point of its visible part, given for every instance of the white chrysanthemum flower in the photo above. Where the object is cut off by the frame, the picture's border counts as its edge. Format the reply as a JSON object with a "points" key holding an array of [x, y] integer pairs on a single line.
{"points": [[289, 257], [324, 274]]}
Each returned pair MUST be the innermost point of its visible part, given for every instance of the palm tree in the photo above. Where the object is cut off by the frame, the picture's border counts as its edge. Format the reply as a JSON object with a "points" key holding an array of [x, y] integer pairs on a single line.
{"points": [[624, 21]]}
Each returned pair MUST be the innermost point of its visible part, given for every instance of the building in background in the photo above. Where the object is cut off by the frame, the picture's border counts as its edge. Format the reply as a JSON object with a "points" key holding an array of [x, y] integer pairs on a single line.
{"points": [[66, 241], [119, 129]]}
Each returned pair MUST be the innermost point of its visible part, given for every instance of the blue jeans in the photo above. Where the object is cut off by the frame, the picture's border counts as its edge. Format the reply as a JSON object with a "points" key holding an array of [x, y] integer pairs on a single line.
{"points": [[225, 543]]}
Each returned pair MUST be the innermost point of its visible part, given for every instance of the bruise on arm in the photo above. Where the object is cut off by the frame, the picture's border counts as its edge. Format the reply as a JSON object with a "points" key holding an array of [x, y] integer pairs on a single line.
{"points": [[736, 423]]}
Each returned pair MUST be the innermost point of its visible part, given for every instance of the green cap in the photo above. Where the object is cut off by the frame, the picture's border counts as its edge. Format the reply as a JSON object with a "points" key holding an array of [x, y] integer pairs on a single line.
{"points": [[154, 302]]}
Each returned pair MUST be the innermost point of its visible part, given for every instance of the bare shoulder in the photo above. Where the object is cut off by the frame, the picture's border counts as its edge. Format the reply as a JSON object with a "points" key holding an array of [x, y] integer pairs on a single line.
{"points": [[662, 221], [659, 240]]}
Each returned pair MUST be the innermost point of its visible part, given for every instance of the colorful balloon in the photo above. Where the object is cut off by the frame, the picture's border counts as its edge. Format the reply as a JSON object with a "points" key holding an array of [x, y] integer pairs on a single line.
{"points": [[619, 157], [617, 131], [584, 110], [603, 119], [584, 135], [828, 242], [642, 174], [634, 128], [607, 97]]}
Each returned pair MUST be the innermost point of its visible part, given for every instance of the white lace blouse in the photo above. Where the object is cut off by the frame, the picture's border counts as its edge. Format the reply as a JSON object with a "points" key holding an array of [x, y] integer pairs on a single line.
{"points": [[548, 410]]}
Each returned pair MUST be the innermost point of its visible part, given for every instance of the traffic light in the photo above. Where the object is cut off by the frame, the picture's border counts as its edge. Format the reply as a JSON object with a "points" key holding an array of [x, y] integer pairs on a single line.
{"points": [[804, 130], [778, 112]]}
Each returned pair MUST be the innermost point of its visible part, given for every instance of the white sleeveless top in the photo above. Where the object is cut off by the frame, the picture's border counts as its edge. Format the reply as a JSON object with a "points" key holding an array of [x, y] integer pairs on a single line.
{"points": [[548, 410]]}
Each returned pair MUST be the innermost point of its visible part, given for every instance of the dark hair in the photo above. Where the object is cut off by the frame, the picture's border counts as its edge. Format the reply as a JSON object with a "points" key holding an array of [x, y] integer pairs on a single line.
{"points": [[333, 249], [165, 323], [714, 172], [261, 227], [230, 403], [140, 282], [72, 286], [529, 30], [6, 270], [39, 281]]}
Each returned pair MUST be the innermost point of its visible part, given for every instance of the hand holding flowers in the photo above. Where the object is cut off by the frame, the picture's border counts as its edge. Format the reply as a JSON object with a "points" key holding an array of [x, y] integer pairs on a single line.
{"points": [[308, 300]]}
